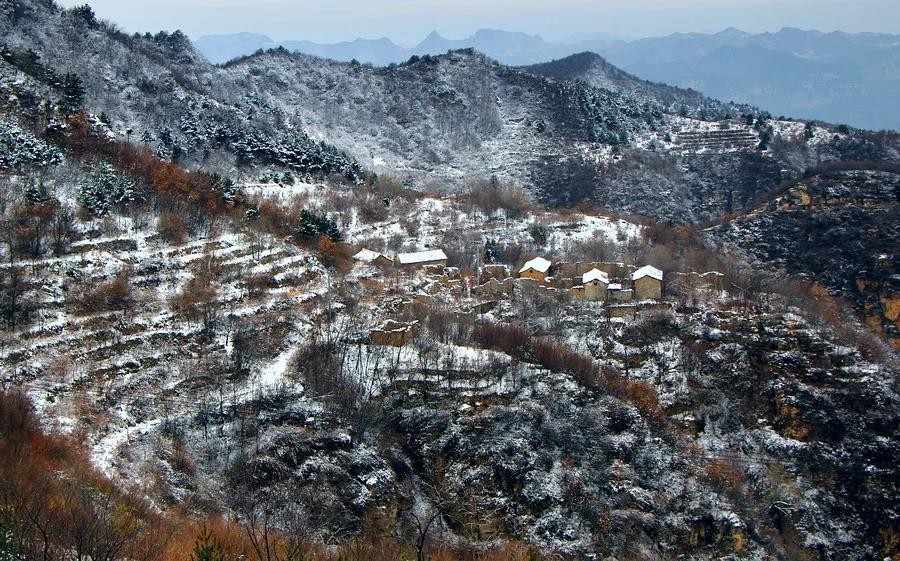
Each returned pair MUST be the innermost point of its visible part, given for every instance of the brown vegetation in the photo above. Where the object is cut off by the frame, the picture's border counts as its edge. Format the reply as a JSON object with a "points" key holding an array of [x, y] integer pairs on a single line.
{"points": [[197, 301], [172, 227], [491, 195], [53, 505], [110, 296], [519, 344]]}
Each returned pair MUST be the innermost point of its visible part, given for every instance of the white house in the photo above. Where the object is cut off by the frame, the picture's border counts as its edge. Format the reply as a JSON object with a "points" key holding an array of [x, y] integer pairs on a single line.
{"points": [[647, 283], [422, 258], [373, 257], [536, 269], [595, 284]]}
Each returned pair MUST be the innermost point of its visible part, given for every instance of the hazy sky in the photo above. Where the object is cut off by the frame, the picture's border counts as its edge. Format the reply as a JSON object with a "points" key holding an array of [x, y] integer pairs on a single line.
{"points": [[408, 21]]}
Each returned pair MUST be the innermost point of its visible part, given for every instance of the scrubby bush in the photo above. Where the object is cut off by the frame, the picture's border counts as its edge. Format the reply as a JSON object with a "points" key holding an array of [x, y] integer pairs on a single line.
{"points": [[16, 307], [539, 235], [493, 195], [373, 208], [198, 301], [172, 227], [113, 295], [335, 255]]}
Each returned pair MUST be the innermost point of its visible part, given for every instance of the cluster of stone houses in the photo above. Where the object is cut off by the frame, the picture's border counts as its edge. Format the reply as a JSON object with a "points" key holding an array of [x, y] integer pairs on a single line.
{"points": [[597, 281], [624, 290]]}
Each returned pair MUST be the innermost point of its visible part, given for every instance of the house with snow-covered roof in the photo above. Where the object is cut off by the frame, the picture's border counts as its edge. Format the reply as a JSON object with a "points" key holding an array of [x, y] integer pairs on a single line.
{"points": [[421, 259], [647, 282], [537, 269], [595, 283], [373, 257], [615, 292]]}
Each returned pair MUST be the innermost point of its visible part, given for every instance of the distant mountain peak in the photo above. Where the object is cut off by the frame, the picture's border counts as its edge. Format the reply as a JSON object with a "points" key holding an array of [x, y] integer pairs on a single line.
{"points": [[798, 31], [492, 33], [237, 35], [732, 32]]}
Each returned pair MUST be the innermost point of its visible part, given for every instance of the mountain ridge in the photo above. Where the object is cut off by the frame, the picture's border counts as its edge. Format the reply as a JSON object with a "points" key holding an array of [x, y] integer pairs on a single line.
{"points": [[676, 58]]}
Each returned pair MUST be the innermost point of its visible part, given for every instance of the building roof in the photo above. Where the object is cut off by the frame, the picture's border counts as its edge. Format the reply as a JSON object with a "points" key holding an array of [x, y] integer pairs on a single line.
{"points": [[367, 255], [595, 275], [396, 326], [647, 271], [538, 264], [615, 286], [421, 257]]}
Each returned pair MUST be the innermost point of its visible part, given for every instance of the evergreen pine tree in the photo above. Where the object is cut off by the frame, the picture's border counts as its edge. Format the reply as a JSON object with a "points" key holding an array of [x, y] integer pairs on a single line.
{"points": [[105, 190], [85, 14], [36, 193], [809, 131], [207, 548], [73, 94], [491, 251], [313, 225]]}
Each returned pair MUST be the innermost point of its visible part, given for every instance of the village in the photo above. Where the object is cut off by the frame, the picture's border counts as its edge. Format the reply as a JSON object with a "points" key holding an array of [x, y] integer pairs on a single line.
{"points": [[616, 292]]}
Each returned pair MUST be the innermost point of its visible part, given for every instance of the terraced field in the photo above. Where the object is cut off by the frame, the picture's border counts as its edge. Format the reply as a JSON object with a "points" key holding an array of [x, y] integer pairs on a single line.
{"points": [[146, 357], [716, 141]]}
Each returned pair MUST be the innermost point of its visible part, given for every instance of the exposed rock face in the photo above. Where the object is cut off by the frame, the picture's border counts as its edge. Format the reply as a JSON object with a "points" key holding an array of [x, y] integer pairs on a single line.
{"points": [[840, 229]]}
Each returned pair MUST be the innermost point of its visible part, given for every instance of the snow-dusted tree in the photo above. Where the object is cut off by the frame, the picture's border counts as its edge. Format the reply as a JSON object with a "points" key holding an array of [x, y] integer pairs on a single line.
{"points": [[9, 547], [36, 193], [492, 251], [15, 307], [62, 230], [312, 225], [84, 14], [105, 190], [20, 149], [72, 94]]}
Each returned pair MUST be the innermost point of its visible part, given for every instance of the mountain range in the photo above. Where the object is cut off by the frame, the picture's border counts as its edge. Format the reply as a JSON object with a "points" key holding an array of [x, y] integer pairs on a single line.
{"points": [[836, 77]]}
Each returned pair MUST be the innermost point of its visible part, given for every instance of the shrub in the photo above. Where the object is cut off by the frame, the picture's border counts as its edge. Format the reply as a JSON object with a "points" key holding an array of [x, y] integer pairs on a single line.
{"points": [[504, 337], [373, 209], [172, 227], [336, 255], [724, 475], [538, 234], [557, 358], [257, 284], [16, 307], [517, 343], [114, 295], [197, 301], [642, 395], [492, 195]]}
